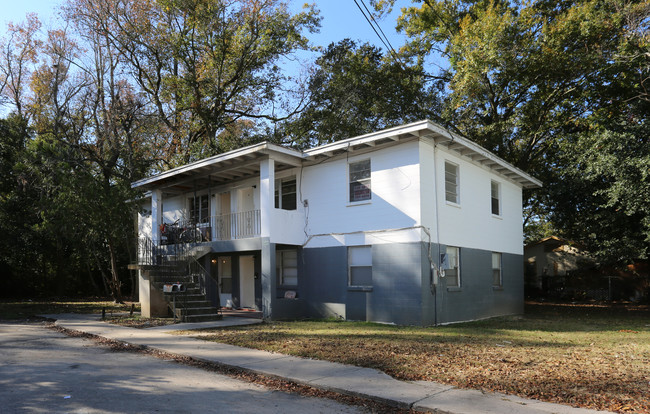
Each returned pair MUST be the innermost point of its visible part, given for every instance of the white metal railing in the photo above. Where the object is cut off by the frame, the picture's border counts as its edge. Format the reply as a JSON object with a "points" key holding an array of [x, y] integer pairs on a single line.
{"points": [[239, 225]]}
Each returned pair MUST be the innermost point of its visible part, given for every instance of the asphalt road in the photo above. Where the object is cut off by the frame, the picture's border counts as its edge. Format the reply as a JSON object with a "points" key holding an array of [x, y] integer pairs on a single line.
{"points": [[43, 371]]}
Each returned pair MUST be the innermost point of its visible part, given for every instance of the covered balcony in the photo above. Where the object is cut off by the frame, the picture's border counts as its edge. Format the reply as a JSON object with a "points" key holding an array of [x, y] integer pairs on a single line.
{"points": [[231, 226], [227, 197]]}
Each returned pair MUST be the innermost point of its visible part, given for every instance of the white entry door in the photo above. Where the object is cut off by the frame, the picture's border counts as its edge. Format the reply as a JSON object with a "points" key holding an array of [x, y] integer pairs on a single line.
{"points": [[247, 281]]}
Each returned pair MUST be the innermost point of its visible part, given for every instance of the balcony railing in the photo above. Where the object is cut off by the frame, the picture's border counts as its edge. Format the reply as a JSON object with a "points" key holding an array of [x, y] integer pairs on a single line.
{"points": [[240, 225]]}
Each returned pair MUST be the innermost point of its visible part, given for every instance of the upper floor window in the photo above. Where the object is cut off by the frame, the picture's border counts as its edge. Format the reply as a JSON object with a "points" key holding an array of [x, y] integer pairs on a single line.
{"points": [[360, 181], [451, 264], [496, 198], [199, 209], [285, 193], [451, 183]]}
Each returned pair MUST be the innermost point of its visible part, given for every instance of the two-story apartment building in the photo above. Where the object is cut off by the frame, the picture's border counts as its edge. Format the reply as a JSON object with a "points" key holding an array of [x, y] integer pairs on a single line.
{"points": [[409, 225]]}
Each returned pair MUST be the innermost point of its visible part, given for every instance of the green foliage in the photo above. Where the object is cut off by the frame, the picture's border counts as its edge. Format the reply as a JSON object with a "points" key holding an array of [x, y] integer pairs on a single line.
{"points": [[602, 193], [542, 84], [204, 64], [355, 89]]}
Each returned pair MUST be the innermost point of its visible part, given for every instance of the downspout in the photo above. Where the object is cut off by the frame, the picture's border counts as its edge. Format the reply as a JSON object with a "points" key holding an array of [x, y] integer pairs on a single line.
{"points": [[195, 210], [434, 279]]}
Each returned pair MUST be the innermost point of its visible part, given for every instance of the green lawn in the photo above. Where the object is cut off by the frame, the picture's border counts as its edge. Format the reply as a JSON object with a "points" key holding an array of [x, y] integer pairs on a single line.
{"points": [[588, 356]]}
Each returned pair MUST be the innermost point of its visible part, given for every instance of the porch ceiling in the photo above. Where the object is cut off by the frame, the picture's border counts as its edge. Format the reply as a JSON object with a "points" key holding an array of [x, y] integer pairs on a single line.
{"points": [[221, 169]]}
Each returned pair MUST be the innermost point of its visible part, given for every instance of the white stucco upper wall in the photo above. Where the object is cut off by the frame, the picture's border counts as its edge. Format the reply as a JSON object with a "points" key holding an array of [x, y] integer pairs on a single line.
{"points": [[394, 203], [471, 222]]}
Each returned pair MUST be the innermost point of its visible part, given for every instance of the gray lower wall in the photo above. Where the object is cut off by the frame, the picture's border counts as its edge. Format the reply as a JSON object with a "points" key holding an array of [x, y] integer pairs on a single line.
{"points": [[477, 298], [402, 291], [395, 296]]}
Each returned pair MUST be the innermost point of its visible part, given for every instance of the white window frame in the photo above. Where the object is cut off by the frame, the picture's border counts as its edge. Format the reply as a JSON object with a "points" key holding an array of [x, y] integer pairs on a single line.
{"points": [[451, 261], [279, 194], [455, 183], [287, 267], [495, 198], [365, 181], [497, 269], [361, 259]]}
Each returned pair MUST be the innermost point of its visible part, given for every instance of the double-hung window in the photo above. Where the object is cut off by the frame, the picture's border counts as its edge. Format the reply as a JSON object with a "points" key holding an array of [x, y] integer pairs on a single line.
{"points": [[451, 264], [287, 267], [360, 181], [285, 193], [360, 266], [452, 194], [495, 189], [497, 280]]}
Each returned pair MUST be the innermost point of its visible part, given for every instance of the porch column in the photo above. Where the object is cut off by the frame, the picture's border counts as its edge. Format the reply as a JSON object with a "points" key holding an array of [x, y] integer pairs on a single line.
{"points": [[268, 278], [156, 215], [267, 204], [267, 196]]}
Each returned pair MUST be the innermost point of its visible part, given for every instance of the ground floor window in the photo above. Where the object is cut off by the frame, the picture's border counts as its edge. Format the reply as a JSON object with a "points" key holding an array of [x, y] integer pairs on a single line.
{"points": [[497, 280], [287, 267], [451, 263], [360, 266]]}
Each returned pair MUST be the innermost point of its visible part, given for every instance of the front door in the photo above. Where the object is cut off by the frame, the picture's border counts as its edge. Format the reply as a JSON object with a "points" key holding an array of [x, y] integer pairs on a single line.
{"points": [[247, 281], [224, 270], [223, 222]]}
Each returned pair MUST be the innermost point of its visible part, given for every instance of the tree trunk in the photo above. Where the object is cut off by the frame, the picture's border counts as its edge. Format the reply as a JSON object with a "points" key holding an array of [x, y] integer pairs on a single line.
{"points": [[115, 279]]}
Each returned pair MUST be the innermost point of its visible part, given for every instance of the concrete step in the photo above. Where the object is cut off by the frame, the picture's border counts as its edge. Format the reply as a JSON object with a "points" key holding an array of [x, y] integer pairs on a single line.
{"points": [[201, 310], [203, 318], [191, 304], [171, 279], [185, 296]]}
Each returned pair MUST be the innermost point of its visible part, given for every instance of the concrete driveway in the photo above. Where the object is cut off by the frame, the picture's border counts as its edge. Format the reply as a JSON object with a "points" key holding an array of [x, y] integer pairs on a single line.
{"points": [[43, 371]]}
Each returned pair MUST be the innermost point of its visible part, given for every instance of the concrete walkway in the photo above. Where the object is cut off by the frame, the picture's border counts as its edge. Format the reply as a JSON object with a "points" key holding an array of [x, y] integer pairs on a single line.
{"points": [[344, 379]]}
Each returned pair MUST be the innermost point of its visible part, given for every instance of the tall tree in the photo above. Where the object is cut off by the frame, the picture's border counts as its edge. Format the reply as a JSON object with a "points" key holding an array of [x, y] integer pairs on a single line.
{"points": [[535, 81], [356, 89], [18, 56], [203, 64]]}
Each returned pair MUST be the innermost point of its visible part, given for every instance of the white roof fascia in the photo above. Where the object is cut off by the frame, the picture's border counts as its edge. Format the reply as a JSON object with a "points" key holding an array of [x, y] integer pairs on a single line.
{"points": [[263, 147], [293, 157], [413, 129], [483, 152], [421, 129]]}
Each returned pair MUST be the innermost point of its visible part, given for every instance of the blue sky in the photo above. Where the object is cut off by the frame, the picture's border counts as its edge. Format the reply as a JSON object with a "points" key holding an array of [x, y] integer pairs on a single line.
{"points": [[341, 19]]}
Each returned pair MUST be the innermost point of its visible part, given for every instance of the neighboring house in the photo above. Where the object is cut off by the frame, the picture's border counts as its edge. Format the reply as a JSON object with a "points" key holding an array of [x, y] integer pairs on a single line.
{"points": [[355, 229], [550, 260]]}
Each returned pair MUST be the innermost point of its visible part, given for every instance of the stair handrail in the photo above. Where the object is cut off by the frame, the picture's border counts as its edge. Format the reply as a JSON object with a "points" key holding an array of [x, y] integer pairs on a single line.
{"points": [[195, 268], [151, 253]]}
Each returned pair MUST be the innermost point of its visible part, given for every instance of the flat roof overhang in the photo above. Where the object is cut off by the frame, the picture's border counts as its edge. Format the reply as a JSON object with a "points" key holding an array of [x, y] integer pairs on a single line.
{"points": [[425, 130], [245, 162], [231, 166]]}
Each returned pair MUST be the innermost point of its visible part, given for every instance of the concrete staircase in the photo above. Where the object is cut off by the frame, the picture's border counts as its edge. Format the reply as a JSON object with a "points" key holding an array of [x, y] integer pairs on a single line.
{"points": [[190, 305]]}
